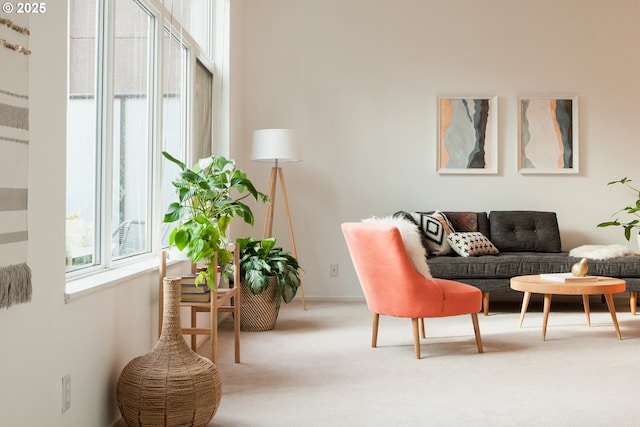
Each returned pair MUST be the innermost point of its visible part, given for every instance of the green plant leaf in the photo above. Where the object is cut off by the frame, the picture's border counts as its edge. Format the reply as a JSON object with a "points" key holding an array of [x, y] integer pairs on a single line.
{"points": [[190, 177], [196, 250], [185, 194], [204, 163], [245, 213], [633, 210], [173, 160], [268, 244], [257, 282], [174, 212], [181, 238], [608, 223], [223, 224]]}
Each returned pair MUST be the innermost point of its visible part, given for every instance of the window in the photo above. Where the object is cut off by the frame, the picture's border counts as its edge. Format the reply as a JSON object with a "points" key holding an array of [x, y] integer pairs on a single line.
{"points": [[194, 15], [173, 107], [130, 83], [130, 139], [203, 114], [82, 136]]}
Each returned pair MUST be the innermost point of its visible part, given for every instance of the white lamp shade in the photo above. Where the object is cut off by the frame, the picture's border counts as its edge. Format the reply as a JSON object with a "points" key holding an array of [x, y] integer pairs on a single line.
{"points": [[275, 144]]}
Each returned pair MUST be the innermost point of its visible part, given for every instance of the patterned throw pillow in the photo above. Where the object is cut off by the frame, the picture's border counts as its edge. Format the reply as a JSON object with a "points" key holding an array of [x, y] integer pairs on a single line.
{"points": [[434, 228], [471, 244], [463, 221]]}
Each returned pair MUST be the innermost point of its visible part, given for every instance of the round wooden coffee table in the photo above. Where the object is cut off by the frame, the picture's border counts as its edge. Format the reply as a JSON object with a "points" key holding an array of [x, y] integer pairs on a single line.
{"points": [[606, 286]]}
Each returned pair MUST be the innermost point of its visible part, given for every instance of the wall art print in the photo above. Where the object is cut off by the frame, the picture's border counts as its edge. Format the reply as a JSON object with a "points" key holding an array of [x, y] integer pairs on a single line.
{"points": [[548, 135], [467, 135], [15, 275]]}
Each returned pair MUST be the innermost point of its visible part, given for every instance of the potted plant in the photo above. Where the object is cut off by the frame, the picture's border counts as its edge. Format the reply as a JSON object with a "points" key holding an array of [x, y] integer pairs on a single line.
{"points": [[268, 276], [209, 196], [633, 210]]}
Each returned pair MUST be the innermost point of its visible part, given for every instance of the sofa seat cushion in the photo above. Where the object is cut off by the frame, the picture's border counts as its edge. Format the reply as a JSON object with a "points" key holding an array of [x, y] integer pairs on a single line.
{"points": [[620, 267], [508, 264], [504, 265]]}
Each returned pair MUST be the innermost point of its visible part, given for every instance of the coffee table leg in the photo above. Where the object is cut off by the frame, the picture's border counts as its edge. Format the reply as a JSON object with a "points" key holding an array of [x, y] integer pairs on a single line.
{"points": [[587, 311], [525, 304], [545, 314], [612, 310]]}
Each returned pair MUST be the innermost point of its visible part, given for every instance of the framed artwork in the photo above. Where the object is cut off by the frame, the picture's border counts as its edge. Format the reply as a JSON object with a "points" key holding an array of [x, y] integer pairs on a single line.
{"points": [[548, 135], [467, 135]]}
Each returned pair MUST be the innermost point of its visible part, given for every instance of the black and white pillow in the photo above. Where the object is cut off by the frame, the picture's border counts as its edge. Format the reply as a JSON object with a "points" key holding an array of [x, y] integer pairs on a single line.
{"points": [[471, 244], [434, 227]]}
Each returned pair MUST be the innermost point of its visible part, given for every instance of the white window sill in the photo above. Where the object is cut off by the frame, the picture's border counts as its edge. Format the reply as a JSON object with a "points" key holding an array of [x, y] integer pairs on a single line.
{"points": [[107, 279]]}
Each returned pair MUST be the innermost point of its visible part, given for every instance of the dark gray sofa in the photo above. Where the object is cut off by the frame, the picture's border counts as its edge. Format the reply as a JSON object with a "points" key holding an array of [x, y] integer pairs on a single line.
{"points": [[529, 243]]}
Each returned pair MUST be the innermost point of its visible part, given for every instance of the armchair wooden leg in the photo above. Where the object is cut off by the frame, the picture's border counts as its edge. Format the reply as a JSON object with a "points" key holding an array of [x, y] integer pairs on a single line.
{"points": [[374, 330], [416, 337], [423, 333], [633, 300], [476, 329], [485, 303]]}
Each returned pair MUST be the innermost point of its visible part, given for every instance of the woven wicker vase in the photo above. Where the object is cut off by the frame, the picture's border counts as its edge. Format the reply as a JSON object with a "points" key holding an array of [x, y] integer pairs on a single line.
{"points": [[258, 312], [171, 385]]}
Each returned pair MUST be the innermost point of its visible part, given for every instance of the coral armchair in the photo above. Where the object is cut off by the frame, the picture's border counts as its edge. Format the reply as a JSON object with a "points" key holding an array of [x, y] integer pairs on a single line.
{"points": [[393, 287]]}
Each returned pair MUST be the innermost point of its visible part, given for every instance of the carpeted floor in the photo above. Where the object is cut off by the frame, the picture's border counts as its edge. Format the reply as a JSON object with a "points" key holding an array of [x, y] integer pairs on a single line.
{"points": [[316, 368]]}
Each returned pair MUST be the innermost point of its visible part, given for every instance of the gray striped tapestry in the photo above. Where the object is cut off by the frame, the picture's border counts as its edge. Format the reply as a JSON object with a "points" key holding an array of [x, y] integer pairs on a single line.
{"points": [[15, 275]]}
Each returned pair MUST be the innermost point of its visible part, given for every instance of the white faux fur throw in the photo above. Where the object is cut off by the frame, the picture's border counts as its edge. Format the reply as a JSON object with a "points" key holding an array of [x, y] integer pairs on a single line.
{"points": [[411, 239], [600, 251]]}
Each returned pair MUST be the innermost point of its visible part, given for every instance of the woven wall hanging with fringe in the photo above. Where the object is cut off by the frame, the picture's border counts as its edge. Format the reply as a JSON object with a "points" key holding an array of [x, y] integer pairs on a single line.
{"points": [[15, 275]]}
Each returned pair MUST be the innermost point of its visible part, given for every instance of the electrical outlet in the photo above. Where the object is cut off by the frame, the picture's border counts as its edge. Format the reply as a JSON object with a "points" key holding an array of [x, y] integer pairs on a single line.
{"points": [[66, 393], [333, 270]]}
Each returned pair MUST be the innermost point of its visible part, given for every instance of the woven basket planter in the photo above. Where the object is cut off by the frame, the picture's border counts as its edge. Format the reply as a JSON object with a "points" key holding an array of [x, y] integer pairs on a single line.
{"points": [[259, 312], [171, 385]]}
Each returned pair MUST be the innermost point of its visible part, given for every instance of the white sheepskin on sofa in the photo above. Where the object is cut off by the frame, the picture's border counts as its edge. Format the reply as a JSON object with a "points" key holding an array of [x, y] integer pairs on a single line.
{"points": [[600, 251], [412, 241]]}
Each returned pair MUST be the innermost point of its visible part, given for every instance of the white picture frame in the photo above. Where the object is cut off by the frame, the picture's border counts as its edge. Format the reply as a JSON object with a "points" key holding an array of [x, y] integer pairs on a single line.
{"points": [[548, 135], [467, 140]]}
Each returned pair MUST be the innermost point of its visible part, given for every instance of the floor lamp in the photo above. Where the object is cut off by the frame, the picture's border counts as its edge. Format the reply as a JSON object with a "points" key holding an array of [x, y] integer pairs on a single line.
{"points": [[278, 146]]}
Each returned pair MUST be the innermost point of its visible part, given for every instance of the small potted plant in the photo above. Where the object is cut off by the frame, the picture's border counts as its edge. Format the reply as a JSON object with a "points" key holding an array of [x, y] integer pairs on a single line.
{"points": [[632, 210], [209, 196], [268, 276]]}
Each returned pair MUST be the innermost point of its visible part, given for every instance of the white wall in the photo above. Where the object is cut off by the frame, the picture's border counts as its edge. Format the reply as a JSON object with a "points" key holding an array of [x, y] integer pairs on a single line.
{"points": [[91, 338], [359, 80]]}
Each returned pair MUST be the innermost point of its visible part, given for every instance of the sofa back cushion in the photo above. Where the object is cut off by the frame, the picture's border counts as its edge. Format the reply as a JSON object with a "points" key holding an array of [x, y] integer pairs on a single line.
{"points": [[525, 231]]}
